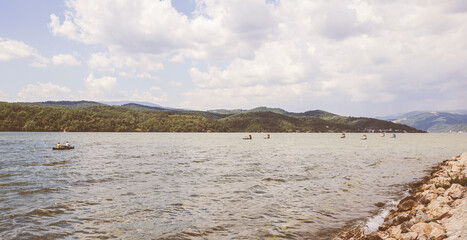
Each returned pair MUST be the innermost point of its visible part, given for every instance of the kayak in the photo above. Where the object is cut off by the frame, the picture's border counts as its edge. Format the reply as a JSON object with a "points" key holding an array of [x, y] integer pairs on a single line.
{"points": [[63, 148]]}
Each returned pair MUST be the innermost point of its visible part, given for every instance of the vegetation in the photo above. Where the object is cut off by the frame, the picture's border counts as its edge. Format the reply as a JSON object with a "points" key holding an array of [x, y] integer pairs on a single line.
{"points": [[95, 117]]}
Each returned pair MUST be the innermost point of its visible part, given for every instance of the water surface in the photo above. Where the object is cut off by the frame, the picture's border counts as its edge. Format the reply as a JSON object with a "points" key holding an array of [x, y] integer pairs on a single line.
{"points": [[205, 185]]}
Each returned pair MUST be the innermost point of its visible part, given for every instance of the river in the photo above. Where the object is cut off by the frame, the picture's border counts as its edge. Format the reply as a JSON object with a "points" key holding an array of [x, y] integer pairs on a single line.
{"points": [[205, 185]]}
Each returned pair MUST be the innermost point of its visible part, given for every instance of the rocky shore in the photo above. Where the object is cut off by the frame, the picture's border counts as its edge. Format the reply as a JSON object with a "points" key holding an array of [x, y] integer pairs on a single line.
{"points": [[435, 209]]}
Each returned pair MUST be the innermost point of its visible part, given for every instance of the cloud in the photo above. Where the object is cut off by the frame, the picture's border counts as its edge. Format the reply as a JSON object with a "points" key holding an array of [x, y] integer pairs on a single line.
{"points": [[65, 60], [3, 96], [152, 95], [236, 51], [11, 49], [102, 88], [41, 91], [106, 62]]}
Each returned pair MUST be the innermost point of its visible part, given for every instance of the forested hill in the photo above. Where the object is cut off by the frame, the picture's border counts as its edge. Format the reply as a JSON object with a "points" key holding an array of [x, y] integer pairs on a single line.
{"points": [[95, 117]]}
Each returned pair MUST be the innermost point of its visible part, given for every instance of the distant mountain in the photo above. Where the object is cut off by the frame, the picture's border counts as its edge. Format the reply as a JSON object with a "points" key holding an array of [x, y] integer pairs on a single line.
{"points": [[61, 104], [121, 103], [432, 121], [136, 106]]}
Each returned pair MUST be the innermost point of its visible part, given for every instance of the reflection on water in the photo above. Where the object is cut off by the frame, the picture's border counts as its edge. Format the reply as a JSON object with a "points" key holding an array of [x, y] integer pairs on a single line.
{"points": [[208, 186]]}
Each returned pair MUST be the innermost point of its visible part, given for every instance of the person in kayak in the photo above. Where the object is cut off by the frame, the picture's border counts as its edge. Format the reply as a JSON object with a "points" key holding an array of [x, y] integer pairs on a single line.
{"points": [[58, 145], [67, 144]]}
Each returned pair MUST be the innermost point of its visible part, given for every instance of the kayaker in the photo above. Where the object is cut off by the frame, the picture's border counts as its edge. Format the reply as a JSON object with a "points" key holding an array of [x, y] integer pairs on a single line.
{"points": [[58, 145], [67, 144]]}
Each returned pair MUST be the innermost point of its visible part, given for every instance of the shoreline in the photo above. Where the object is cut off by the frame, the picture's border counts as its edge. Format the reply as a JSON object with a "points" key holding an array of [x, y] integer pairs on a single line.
{"points": [[436, 208]]}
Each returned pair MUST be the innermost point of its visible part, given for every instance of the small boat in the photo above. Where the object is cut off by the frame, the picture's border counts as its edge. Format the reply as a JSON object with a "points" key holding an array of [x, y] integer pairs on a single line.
{"points": [[63, 148], [343, 135], [382, 134], [248, 138], [363, 137]]}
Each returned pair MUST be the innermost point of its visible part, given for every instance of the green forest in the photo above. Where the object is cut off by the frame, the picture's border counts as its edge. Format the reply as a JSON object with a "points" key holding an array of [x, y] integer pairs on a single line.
{"points": [[85, 117]]}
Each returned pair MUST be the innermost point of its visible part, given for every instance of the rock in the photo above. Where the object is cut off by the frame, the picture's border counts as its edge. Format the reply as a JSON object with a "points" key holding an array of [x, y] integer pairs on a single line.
{"points": [[405, 226], [420, 216], [374, 236], [428, 187], [406, 205], [421, 228], [428, 196], [456, 203], [438, 209], [409, 236], [439, 191], [456, 191], [437, 232], [431, 230], [395, 232], [384, 226]]}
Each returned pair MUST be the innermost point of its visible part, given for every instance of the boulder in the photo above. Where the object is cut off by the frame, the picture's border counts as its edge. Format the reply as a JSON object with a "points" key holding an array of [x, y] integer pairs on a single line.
{"points": [[428, 196], [409, 236], [437, 232], [405, 226], [428, 187], [395, 232], [420, 216], [456, 191], [437, 209], [430, 230], [407, 204], [439, 191]]}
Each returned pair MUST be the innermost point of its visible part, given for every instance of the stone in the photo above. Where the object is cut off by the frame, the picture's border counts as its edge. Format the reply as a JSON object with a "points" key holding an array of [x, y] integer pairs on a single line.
{"points": [[406, 205], [395, 232], [437, 209], [431, 230], [428, 197], [428, 187], [374, 236], [422, 229], [420, 216], [439, 191], [405, 226], [437, 232], [409, 236], [456, 191]]}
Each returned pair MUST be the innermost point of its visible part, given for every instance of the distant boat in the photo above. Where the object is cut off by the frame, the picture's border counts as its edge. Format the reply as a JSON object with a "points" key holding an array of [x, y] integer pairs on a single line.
{"points": [[248, 138], [383, 134], [363, 137], [393, 135], [343, 135], [63, 148], [267, 137]]}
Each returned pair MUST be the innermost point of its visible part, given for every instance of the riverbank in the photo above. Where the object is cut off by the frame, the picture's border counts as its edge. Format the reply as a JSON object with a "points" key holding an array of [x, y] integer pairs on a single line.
{"points": [[435, 209]]}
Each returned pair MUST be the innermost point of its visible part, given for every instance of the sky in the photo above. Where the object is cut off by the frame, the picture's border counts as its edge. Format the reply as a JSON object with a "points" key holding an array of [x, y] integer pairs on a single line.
{"points": [[349, 57]]}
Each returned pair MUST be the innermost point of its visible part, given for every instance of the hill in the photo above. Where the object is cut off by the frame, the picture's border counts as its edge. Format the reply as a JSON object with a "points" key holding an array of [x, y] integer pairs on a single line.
{"points": [[432, 121], [61, 104], [134, 117]]}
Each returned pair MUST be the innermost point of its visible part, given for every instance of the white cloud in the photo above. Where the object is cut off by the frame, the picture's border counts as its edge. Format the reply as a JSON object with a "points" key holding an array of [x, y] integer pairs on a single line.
{"points": [[11, 49], [3, 96], [348, 52], [153, 95], [65, 59], [41, 91], [146, 75], [102, 88], [106, 62]]}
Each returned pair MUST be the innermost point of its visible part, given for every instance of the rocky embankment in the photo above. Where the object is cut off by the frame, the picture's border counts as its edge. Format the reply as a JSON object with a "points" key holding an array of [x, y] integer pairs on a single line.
{"points": [[436, 208]]}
